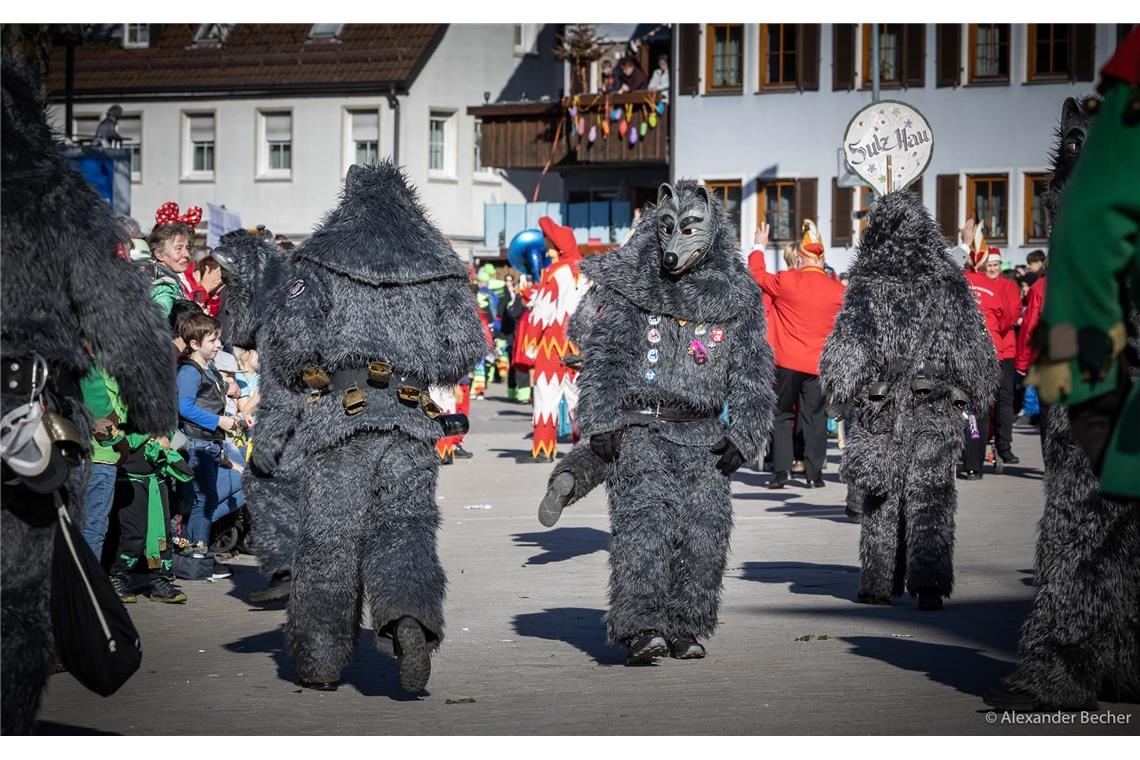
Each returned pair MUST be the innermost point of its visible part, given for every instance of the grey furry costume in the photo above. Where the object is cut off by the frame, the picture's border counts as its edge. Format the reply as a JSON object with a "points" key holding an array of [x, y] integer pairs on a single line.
{"points": [[1082, 638], [376, 282], [63, 286], [907, 303], [670, 508]]}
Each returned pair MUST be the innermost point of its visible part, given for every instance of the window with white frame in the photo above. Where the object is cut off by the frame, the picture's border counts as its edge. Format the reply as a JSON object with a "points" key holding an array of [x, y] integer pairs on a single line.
{"points": [[325, 31], [525, 38], [275, 144], [364, 136], [136, 35], [198, 145], [441, 145], [130, 128]]}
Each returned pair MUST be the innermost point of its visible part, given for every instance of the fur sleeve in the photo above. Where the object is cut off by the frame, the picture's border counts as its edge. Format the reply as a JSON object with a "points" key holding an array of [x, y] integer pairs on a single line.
{"points": [[126, 333], [582, 320], [844, 367], [608, 366], [751, 382], [277, 417], [462, 341]]}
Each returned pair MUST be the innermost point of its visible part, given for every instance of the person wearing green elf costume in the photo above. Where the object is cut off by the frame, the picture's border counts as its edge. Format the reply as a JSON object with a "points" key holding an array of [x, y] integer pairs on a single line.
{"points": [[1087, 361]]}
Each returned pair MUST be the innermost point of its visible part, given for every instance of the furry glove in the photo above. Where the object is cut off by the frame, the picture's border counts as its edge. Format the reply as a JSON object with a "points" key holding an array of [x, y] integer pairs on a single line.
{"points": [[606, 445], [730, 456]]}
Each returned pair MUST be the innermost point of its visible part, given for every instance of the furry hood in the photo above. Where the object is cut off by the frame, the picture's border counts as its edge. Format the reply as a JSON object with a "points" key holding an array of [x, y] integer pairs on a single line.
{"points": [[1068, 140], [379, 233], [245, 259], [716, 289], [899, 232]]}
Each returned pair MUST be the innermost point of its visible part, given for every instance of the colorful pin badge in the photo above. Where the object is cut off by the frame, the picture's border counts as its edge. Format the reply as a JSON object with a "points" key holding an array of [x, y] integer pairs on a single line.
{"points": [[654, 335], [698, 351], [655, 319], [717, 335], [700, 329], [650, 374], [653, 355]]}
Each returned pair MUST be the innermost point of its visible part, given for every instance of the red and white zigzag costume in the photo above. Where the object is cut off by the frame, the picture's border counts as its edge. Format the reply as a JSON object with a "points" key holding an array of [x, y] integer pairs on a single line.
{"points": [[556, 298]]}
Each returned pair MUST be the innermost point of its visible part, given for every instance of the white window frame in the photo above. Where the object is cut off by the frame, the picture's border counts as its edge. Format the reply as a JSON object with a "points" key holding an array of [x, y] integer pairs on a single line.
{"points": [[135, 43], [83, 117], [529, 43], [132, 147], [482, 174], [333, 34], [263, 172], [348, 144], [204, 37], [189, 173], [449, 172]]}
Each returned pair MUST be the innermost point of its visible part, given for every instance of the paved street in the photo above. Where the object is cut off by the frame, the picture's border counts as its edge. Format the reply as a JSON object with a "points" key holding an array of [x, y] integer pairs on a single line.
{"points": [[525, 639]]}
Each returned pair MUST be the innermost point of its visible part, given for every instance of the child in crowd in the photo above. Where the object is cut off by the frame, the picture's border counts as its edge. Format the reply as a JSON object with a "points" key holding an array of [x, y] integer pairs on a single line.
{"points": [[248, 379]]}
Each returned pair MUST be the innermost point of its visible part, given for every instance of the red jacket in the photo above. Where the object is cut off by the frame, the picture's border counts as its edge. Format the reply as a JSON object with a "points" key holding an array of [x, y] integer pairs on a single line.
{"points": [[1000, 304], [804, 305], [1026, 354]]}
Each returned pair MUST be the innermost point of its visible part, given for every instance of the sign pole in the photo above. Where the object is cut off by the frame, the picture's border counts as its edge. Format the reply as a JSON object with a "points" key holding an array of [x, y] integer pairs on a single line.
{"points": [[890, 173]]}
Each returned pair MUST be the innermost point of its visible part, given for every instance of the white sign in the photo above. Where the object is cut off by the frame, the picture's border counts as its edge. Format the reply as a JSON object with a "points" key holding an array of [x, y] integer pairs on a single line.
{"points": [[892, 138]]}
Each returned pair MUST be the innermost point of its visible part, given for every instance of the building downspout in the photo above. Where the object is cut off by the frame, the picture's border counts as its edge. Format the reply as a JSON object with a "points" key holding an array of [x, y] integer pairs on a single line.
{"points": [[874, 63], [394, 104]]}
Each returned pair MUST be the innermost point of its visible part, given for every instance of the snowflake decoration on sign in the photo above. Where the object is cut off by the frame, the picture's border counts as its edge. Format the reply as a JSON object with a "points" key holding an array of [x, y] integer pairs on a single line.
{"points": [[873, 168], [908, 124]]}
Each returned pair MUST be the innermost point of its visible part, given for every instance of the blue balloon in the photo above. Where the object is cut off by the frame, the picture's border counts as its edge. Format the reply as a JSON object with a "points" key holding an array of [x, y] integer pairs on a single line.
{"points": [[527, 253]]}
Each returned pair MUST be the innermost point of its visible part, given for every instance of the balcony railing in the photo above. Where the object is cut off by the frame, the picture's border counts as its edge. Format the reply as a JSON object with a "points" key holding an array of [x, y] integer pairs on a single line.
{"points": [[531, 135]]}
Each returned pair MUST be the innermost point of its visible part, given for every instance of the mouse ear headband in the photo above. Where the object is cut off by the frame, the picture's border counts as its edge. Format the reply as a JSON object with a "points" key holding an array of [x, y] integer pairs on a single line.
{"points": [[168, 214]]}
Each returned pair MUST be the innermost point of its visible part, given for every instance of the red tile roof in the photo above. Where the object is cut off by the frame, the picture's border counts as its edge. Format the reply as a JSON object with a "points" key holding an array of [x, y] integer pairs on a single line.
{"points": [[255, 58]]}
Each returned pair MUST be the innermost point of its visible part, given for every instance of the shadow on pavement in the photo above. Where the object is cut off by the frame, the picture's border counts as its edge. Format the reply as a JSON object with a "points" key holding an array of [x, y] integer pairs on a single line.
{"points": [[839, 581], [514, 413], [962, 668], [369, 672], [563, 543], [581, 627], [51, 728], [512, 453], [828, 512]]}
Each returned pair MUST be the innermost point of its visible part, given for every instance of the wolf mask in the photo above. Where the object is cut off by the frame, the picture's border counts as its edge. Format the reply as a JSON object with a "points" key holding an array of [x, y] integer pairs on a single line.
{"points": [[686, 226], [244, 258]]}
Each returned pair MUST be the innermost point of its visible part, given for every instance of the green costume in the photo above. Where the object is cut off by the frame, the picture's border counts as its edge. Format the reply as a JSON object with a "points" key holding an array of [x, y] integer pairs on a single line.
{"points": [[1094, 273]]}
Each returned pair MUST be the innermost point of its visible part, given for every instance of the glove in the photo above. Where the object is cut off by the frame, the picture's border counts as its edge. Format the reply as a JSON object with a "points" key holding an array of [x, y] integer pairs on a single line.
{"points": [[606, 445], [730, 457]]}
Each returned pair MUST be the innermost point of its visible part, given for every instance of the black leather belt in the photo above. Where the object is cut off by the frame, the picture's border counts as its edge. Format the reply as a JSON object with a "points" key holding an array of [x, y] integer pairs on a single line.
{"points": [[675, 414]]}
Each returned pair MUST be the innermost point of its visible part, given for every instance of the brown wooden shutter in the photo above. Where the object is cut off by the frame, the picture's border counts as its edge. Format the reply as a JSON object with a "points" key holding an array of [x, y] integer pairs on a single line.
{"points": [[807, 49], [947, 205], [1082, 64], [949, 55], [841, 227], [689, 51], [807, 205], [842, 56], [914, 55]]}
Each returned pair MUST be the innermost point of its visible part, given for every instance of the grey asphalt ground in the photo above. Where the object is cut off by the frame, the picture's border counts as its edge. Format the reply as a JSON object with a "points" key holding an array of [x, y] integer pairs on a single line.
{"points": [[525, 639]]}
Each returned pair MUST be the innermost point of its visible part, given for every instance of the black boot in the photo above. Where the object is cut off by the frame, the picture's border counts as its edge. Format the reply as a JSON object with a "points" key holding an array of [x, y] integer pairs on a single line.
{"points": [[277, 591], [645, 646], [121, 583], [780, 479], [555, 500], [686, 647], [412, 656], [1008, 457]]}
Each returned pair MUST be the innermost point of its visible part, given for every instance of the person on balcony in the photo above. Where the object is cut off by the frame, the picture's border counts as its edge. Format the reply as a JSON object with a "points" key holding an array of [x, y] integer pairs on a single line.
{"points": [[631, 78]]}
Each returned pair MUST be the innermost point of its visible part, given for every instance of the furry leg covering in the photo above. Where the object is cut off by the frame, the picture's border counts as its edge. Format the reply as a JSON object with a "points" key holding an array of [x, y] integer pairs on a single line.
{"points": [[368, 524], [671, 520], [275, 504], [1082, 638], [588, 469], [879, 541]]}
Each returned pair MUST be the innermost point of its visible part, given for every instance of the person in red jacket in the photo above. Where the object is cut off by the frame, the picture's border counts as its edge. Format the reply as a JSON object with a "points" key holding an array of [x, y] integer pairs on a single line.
{"points": [[804, 304], [1026, 353], [1000, 304]]}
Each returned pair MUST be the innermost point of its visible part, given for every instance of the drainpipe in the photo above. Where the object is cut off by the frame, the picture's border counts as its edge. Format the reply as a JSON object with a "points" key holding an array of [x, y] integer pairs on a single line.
{"points": [[394, 104], [874, 63]]}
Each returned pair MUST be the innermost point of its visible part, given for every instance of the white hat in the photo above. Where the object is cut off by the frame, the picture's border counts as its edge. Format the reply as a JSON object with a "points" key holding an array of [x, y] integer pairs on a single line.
{"points": [[225, 362]]}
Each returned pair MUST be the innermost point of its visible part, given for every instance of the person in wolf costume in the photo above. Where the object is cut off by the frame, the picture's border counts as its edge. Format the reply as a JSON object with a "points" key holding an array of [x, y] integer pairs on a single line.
{"points": [[1081, 640], [64, 291], [908, 352], [676, 392], [375, 308]]}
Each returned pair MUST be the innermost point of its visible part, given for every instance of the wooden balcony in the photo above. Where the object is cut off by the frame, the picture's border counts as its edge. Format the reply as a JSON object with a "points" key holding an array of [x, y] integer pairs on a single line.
{"points": [[528, 135]]}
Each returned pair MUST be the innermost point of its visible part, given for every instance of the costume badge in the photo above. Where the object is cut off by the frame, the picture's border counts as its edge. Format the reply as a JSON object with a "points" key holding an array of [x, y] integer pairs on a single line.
{"points": [[296, 288], [654, 335], [653, 355], [682, 322], [717, 335], [698, 351], [655, 319], [700, 329], [650, 374]]}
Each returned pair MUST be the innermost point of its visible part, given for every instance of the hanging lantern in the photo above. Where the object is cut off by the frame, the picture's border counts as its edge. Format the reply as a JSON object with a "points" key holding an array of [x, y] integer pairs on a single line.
{"points": [[593, 135], [633, 137], [605, 129], [644, 128], [573, 112], [661, 108], [623, 127], [653, 120], [581, 125], [615, 114]]}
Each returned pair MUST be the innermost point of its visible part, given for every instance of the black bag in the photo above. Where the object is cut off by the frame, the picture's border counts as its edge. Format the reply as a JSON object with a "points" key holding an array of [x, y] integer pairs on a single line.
{"points": [[191, 568], [94, 636]]}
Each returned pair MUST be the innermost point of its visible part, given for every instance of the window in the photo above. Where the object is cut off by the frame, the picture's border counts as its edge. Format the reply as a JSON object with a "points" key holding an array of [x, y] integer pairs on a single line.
{"points": [[198, 135], [1036, 225], [136, 35], [987, 201], [83, 128], [1061, 52], [441, 145], [482, 173], [725, 56], [275, 144], [778, 50], [524, 38], [325, 31], [989, 53], [365, 136], [212, 34], [776, 206], [902, 56], [729, 193], [130, 128]]}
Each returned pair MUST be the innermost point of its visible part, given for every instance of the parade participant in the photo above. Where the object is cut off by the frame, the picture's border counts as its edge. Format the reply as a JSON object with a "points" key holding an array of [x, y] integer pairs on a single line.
{"points": [[523, 352], [554, 301], [1081, 642], [676, 394], [804, 304], [376, 309], [1000, 305], [908, 351], [66, 295]]}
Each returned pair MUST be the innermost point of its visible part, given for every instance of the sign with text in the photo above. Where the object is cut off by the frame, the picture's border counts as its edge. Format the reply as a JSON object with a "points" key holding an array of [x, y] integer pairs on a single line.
{"points": [[888, 138]]}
